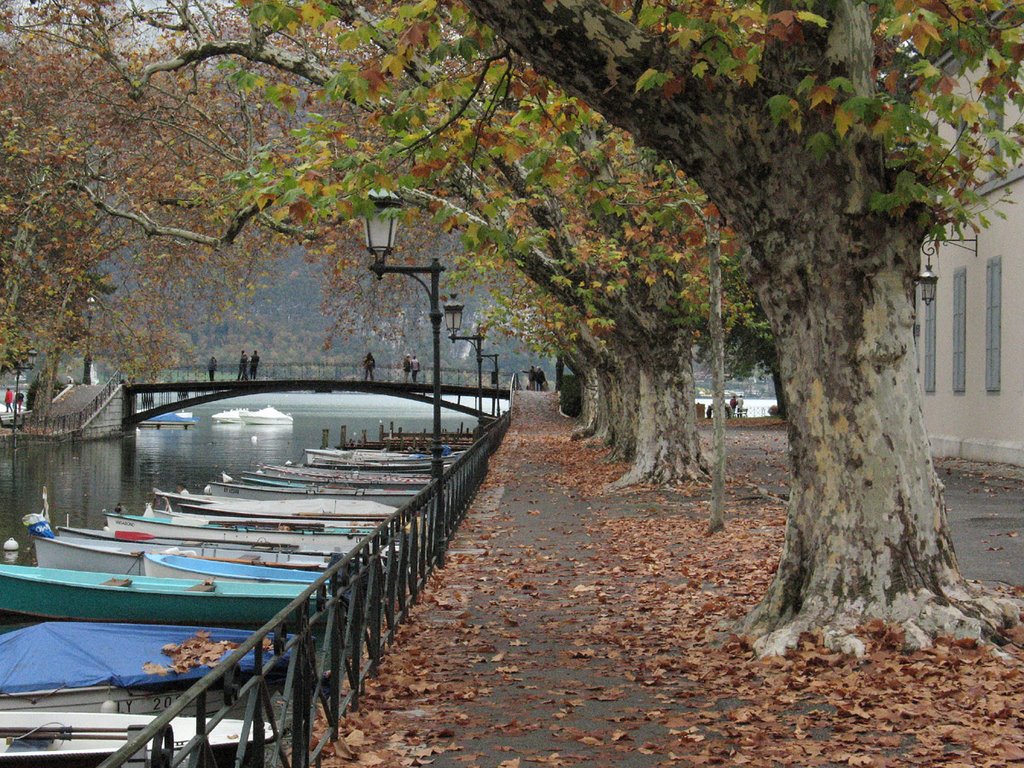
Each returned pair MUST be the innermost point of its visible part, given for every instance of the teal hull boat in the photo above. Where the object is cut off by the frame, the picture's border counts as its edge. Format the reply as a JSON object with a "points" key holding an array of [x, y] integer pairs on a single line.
{"points": [[54, 593]]}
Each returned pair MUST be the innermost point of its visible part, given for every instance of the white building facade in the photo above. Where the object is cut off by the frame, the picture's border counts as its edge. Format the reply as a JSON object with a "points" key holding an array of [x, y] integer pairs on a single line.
{"points": [[971, 340]]}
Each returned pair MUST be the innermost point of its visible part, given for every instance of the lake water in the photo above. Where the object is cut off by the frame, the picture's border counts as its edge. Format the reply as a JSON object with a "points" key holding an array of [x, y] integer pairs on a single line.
{"points": [[84, 478]]}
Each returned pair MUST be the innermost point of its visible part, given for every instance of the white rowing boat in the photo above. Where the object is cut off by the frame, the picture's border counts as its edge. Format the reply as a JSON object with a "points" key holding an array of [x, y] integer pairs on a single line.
{"points": [[304, 535], [307, 506], [64, 739]]}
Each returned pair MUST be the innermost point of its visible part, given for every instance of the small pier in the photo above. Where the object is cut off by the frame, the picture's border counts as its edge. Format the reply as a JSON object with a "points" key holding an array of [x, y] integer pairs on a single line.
{"points": [[397, 440]]}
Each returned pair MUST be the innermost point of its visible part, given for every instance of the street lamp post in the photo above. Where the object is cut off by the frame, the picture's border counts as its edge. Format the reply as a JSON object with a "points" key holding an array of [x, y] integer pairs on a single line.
{"points": [[87, 361], [453, 319], [381, 228], [25, 365], [494, 381]]}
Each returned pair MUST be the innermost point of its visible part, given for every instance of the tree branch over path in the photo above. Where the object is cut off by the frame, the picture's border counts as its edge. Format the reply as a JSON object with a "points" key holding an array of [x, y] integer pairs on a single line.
{"points": [[231, 232]]}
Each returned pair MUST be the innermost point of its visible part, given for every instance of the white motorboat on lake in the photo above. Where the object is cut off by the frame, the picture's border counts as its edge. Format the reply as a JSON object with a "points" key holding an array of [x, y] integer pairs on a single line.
{"points": [[233, 416], [268, 415]]}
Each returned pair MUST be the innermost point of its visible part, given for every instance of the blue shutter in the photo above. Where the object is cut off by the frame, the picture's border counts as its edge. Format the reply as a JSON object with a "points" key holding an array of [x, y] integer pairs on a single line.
{"points": [[929, 346], [960, 330], [993, 323]]}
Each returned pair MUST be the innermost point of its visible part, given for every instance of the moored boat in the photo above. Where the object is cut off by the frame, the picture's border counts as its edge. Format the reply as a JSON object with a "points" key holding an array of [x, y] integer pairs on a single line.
{"points": [[258, 492], [56, 593], [112, 556], [324, 475], [245, 549], [229, 515], [356, 507], [85, 739], [180, 567], [74, 666], [268, 415], [232, 416], [300, 534], [403, 467], [180, 420], [393, 461]]}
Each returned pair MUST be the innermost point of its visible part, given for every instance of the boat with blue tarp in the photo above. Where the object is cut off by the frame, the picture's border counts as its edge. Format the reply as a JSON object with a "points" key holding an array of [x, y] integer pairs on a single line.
{"points": [[91, 667]]}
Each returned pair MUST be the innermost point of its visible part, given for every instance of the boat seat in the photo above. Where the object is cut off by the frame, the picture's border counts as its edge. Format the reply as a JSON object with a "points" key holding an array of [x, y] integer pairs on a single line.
{"points": [[117, 583], [206, 586]]}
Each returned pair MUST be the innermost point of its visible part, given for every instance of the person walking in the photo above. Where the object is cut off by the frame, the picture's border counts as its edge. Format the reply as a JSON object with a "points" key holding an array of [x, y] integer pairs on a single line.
{"points": [[368, 365], [243, 367], [19, 402], [414, 366], [541, 380], [211, 367], [9, 400], [407, 367], [254, 363]]}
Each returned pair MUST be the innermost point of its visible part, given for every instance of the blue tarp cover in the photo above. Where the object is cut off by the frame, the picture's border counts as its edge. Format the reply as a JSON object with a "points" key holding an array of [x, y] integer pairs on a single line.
{"points": [[57, 654]]}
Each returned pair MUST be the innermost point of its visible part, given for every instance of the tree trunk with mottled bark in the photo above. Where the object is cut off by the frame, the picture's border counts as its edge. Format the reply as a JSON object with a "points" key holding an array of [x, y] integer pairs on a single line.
{"points": [[667, 445]]}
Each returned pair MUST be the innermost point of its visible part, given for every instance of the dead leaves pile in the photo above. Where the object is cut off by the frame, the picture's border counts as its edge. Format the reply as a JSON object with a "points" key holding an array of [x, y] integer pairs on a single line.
{"points": [[197, 651], [609, 642]]}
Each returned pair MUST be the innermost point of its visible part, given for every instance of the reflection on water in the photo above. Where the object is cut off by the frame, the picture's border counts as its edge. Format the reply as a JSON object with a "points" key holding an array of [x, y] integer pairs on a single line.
{"points": [[82, 479]]}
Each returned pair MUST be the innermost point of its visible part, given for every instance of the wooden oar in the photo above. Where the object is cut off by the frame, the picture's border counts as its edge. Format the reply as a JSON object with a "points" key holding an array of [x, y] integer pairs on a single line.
{"points": [[63, 733]]}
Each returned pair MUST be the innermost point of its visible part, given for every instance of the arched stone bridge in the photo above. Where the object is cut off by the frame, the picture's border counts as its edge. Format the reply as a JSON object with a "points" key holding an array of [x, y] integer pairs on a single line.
{"points": [[145, 401]]}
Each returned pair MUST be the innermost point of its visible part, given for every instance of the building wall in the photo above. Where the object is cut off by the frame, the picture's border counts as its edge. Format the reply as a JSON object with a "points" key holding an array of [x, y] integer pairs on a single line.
{"points": [[979, 424]]}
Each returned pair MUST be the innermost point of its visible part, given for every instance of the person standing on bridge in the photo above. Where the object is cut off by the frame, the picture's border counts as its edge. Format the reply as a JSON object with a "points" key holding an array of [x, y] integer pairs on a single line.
{"points": [[211, 367], [406, 367], [254, 363], [368, 365], [243, 367], [414, 366]]}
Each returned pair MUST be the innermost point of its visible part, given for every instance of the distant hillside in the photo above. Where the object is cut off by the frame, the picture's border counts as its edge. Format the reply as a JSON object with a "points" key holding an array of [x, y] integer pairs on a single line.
{"points": [[285, 322]]}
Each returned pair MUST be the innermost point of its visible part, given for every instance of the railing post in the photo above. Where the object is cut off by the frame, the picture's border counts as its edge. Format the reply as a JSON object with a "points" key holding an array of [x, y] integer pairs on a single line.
{"points": [[301, 694]]}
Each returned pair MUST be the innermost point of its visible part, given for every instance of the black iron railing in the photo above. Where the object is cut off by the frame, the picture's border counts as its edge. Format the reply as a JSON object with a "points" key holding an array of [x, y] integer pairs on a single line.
{"points": [[323, 371], [327, 641]]}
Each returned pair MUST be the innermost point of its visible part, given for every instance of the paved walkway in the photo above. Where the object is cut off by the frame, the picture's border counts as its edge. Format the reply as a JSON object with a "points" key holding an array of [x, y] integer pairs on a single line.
{"points": [[574, 626]]}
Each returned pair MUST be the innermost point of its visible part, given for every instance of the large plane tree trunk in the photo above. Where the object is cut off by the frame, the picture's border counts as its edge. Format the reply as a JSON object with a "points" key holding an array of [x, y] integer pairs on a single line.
{"points": [[867, 534], [667, 445]]}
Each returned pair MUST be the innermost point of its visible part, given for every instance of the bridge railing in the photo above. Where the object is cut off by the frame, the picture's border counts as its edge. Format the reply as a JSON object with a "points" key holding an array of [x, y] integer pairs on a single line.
{"points": [[324, 371], [327, 641]]}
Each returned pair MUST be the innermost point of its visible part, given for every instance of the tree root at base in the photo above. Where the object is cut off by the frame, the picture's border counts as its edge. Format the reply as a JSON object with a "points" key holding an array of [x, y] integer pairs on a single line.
{"points": [[966, 611]]}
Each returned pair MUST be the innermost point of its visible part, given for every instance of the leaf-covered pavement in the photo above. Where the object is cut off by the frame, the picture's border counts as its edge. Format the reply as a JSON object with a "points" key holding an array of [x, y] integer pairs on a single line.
{"points": [[576, 626]]}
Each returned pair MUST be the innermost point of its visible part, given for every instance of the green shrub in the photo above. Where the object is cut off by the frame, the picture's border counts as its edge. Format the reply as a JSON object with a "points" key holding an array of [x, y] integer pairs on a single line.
{"points": [[570, 398]]}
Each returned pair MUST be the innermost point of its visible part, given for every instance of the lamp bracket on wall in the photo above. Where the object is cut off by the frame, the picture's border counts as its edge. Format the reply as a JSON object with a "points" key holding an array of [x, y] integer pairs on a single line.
{"points": [[930, 247]]}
